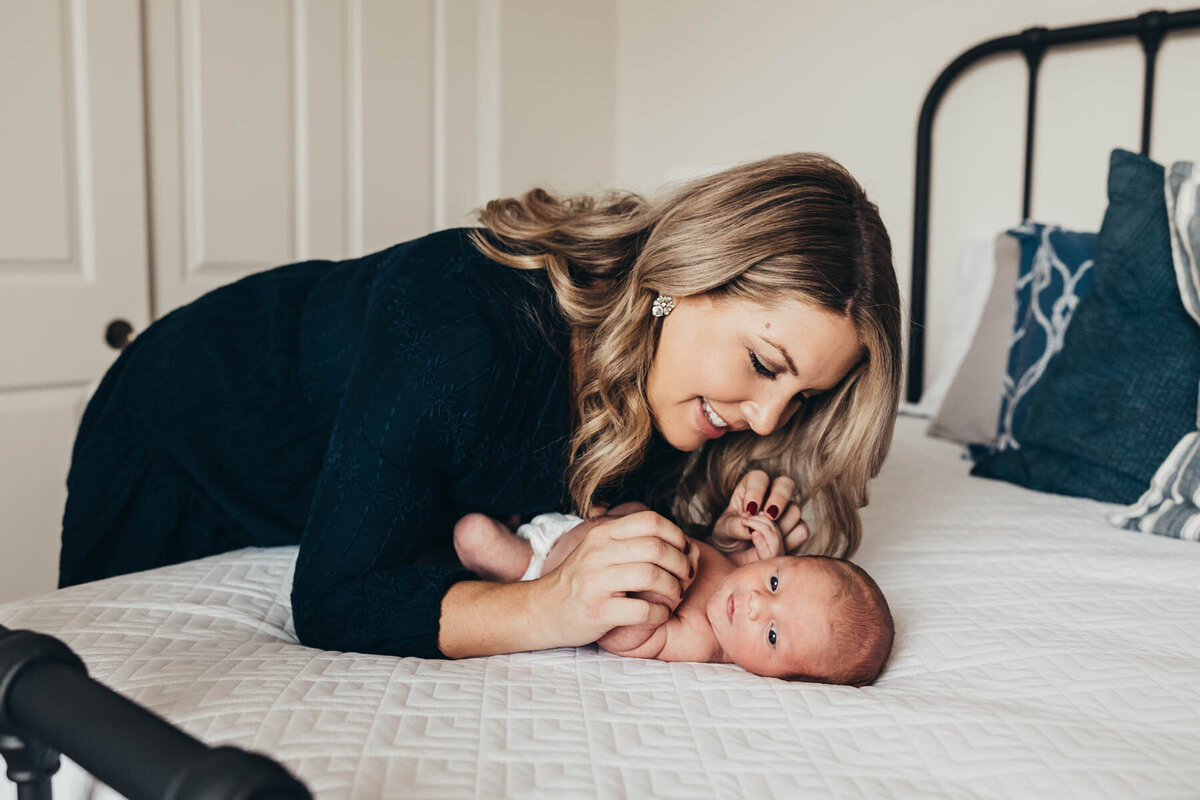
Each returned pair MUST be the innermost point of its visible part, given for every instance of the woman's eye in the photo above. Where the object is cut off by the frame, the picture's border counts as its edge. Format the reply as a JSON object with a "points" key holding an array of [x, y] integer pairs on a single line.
{"points": [[771, 637], [774, 582], [759, 368]]}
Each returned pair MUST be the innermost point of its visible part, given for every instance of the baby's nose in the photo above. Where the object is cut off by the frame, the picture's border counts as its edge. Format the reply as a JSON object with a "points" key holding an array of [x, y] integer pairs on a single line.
{"points": [[753, 603]]}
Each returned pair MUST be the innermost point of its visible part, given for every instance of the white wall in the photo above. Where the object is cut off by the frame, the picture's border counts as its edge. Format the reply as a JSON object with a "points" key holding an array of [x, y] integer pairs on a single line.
{"points": [[557, 97], [702, 84]]}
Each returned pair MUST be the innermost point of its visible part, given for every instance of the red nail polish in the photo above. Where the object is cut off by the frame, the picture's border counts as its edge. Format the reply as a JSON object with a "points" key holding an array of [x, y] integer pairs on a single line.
{"points": [[752, 508], [772, 512]]}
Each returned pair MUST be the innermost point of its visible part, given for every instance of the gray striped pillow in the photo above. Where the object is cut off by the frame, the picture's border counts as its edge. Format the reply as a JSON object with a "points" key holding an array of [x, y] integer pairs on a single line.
{"points": [[1171, 506]]}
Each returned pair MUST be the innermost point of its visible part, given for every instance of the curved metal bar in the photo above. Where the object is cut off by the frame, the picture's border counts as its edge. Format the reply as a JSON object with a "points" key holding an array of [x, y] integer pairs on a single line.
{"points": [[47, 700], [1150, 26]]}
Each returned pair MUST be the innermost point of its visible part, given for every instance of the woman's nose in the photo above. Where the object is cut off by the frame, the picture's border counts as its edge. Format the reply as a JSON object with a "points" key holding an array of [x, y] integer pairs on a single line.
{"points": [[765, 417]]}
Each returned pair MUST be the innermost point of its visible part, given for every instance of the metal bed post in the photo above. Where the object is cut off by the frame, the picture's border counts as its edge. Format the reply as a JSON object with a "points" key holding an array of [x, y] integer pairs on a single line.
{"points": [[1151, 35], [1150, 27], [48, 704], [1033, 44]]}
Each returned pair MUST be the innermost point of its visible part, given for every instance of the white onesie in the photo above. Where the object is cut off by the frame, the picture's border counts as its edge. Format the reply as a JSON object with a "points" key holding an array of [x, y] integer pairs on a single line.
{"points": [[542, 532]]}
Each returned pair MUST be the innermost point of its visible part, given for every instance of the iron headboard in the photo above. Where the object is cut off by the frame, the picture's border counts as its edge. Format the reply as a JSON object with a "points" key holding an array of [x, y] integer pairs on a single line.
{"points": [[1150, 27]]}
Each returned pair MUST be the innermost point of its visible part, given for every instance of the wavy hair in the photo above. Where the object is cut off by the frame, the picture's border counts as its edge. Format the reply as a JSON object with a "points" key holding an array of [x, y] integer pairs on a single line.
{"points": [[793, 226]]}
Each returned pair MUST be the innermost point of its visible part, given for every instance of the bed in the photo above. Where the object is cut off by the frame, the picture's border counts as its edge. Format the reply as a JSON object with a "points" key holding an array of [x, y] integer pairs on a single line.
{"points": [[1040, 651]]}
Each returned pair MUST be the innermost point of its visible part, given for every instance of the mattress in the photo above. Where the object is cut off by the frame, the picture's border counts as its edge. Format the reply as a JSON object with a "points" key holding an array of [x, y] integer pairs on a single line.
{"points": [[1039, 652]]}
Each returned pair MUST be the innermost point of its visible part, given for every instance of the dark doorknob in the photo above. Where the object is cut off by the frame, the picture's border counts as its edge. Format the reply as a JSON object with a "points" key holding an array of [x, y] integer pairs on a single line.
{"points": [[118, 334]]}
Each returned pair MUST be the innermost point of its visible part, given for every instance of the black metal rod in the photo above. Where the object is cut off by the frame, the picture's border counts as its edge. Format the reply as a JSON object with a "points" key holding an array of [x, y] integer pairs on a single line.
{"points": [[1151, 35], [1033, 45], [31, 765], [45, 697], [1091, 32]]}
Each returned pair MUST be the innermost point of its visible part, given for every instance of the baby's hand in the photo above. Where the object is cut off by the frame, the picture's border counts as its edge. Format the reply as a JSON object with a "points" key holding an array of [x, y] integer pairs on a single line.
{"points": [[756, 495], [766, 541], [731, 533]]}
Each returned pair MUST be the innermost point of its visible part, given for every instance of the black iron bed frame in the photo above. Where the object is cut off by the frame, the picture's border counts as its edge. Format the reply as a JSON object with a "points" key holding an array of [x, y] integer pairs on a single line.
{"points": [[1149, 27], [49, 705]]}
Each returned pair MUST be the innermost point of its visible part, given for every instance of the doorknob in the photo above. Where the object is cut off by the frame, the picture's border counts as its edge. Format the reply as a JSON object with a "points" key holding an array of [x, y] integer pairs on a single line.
{"points": [[118, 334]]}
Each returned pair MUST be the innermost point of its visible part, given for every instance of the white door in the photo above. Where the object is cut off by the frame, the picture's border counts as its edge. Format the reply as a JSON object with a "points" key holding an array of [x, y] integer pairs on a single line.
{"points": [[73, 255], [282, 131]]}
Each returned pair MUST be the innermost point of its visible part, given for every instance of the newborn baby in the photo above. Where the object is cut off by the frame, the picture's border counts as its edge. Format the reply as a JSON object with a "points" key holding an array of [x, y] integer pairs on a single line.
{"points": [[804, 617]]}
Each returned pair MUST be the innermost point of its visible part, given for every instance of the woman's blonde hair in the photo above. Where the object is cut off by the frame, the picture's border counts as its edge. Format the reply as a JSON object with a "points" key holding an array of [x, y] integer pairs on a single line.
{"points": [[795, 226]]}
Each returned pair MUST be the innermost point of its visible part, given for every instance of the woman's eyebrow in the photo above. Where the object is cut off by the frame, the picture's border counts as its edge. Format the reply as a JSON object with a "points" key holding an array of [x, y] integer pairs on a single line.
{"points": [[786, 355]]}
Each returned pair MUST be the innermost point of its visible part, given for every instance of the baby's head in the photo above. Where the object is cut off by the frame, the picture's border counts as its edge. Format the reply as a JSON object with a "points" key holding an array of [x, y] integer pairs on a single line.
{"points": [[807, 617]]}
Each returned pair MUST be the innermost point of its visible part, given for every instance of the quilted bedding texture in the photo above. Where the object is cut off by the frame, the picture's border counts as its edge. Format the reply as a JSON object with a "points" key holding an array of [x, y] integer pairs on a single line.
{"points": [[1039, 653]]}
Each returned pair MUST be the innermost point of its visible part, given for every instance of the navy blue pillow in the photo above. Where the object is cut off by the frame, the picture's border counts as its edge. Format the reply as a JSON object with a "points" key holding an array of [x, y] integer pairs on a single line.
{"points": [[1121, 393], [1055, 273]]}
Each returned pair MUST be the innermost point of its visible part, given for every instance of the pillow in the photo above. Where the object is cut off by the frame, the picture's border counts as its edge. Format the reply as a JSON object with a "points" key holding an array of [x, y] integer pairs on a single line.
{"points": [[971, 406], [1118, 397], [1171, 506], [1056, 271], [976, 263]]}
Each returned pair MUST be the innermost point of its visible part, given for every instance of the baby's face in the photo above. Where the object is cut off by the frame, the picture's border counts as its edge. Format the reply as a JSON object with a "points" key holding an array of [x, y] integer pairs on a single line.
{"points": [[772, 617]]}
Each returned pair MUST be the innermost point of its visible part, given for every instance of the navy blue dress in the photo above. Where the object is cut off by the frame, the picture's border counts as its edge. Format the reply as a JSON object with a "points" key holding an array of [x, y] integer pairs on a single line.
{"points": [[356, 408]]}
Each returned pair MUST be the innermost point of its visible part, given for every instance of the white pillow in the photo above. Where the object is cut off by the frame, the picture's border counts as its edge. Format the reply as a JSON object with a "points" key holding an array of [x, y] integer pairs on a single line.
{"points": [[972, 284]]}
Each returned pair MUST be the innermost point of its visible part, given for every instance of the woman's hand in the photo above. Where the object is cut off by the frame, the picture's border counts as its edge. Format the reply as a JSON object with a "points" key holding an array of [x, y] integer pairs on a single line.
{"points": [[586, 596], [757, 496]]}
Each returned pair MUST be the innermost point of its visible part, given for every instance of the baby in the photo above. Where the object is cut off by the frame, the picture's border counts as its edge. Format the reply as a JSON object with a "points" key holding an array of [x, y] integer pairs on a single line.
{"points": [[800, 617]]}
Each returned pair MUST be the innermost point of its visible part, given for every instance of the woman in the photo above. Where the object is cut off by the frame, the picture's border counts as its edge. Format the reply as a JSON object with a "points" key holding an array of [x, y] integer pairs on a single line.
{"points": [[569, 353]]}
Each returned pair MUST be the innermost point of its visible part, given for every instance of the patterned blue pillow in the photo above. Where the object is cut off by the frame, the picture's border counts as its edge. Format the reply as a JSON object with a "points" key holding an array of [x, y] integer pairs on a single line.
{"points": [[1056, 271]]}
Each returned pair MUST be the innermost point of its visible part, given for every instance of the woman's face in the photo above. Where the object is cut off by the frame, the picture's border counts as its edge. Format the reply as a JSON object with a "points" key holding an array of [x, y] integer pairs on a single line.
{"points": [[749, 365]]}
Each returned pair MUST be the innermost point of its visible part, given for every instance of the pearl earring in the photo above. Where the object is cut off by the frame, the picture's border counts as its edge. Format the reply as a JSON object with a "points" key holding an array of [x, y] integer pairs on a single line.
{"points": [[663, 305]]}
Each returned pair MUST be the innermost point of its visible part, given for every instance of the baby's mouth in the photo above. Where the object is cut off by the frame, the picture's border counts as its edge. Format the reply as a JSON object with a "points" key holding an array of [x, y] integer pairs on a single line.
{"points": [[729, 608]]}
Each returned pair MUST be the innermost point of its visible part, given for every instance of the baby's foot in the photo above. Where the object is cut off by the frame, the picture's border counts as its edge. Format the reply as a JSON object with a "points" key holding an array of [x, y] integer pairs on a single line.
{"points": [[490, 550]]}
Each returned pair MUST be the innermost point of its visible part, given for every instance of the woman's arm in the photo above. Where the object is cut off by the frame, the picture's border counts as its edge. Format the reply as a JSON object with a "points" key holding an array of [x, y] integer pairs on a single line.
{"points": [[480, 618], [581, 600]]}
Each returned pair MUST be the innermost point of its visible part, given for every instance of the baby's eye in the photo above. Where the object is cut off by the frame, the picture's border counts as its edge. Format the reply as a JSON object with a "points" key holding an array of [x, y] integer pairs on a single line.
{"points": [[771, 637], [774, 582]]}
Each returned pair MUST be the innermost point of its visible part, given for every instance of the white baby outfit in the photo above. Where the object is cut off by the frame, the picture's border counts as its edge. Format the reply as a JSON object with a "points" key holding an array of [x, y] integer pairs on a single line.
{"points": [[542, 532]]}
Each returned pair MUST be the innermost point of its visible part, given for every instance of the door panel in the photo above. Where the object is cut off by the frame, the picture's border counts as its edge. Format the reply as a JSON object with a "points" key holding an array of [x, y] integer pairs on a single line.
{"points": [[72, 187], [284, 130]]}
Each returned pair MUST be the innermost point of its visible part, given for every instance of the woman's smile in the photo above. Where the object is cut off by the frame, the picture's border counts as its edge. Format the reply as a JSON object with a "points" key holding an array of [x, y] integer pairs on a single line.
{"points": [[706, 423]]}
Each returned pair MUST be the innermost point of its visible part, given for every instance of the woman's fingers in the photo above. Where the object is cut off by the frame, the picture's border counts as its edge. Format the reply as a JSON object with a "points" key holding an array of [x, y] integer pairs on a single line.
{"points": [[782, 490], [619, 611], [652, 550], [796, 537], [790, 519], [645, 523], [643, 578], [751, 491], [756, 493]]}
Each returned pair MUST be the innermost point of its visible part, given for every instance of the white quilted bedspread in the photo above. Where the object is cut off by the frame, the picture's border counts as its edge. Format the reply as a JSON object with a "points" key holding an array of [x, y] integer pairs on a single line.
{"points": [[1039, 653]]}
